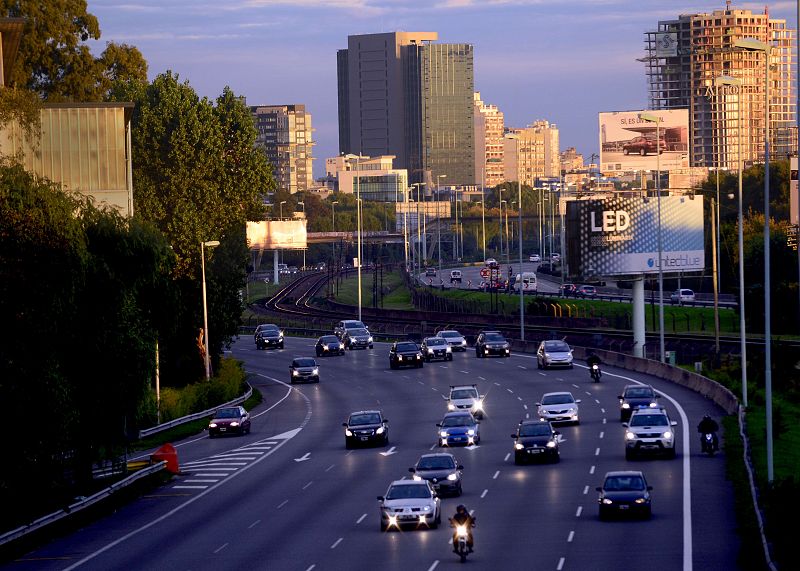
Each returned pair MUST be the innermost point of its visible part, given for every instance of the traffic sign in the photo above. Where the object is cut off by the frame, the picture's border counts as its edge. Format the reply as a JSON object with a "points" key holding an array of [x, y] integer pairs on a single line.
{"points": [[484, 272]]}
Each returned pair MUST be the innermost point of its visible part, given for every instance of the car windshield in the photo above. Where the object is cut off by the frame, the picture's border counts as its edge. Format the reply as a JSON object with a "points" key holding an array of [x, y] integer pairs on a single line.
{"points": [[558, 399], [460, 420], [449, 334], [366, 418], [432, 341], [541, 429], [304, 363], [354, 325], [227, 413], [496, 337], [358, 331], [407, 347], [623, 483], [649, 420], [639, 393], [270, 329], [435, 463], [408, 491], [556, 347], [329, 339], [464, 394]]}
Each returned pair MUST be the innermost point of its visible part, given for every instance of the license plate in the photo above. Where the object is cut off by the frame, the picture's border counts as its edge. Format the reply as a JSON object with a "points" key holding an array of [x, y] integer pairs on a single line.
{"points": [[363, 438], [623, 507], [535, 451], [223, 429]]}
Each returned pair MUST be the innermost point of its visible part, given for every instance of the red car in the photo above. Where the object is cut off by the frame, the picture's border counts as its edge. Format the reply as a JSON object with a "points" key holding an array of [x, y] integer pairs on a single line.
{"points": [[229, 420], [643, 146]]}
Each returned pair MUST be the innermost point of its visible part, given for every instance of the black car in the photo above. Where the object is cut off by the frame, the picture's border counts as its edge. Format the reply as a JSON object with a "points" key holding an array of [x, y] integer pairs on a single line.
{"points": [[357, 339], [535, 440], [405, 353], [436, 348], [442, 470], [304, 370], [624, 493], [366, 427], [329, 345], [492, 343], [636, 396], [269, 336], [229, 420]]}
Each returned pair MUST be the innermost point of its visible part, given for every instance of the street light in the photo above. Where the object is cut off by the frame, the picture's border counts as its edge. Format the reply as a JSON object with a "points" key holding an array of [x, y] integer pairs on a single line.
{"points": [[210, 244], [735, 82], [752, 44], [303, 204], [651, 118], [439, 221], [333, 229], [419, 237]]}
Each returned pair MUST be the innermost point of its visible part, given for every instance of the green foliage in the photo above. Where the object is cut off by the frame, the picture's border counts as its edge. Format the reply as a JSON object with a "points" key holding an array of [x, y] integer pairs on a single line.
{"points": [[22, 107]]}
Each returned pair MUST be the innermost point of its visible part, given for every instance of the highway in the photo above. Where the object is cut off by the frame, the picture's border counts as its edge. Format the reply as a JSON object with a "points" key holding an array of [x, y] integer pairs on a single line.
{"points": [[289, 496]]}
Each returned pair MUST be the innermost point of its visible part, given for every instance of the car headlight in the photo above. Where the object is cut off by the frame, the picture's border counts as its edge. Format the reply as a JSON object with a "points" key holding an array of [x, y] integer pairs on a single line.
{"points": [[667, 434], [419, 355], [640, 500], [399, 357], [234, 423], [478, 405], [212, 425], [315, 372], [430, 351], [551, 444], [470, 432], [426, 508], [415, 477], [519, 446], [630, 436], [443, 434], [452, 477], [392, 520], [626, 405], [607, 501], [370, 339], [379, 430], [451, 406], [295, 373], [448, 349], [348, 432], [653, 405], [324, 347]]}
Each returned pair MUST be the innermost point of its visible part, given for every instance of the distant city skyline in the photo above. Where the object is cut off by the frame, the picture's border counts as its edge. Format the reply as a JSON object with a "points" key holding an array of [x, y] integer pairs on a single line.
{"points": [[535, 59]]}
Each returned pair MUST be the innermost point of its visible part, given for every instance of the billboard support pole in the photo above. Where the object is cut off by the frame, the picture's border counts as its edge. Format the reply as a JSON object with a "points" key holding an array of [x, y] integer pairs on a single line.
{"points": [[638, 317], [275, 266], [715, 274]]}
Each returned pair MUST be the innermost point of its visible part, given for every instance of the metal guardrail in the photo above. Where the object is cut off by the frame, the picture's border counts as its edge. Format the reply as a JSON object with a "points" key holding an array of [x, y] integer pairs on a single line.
{"points": [[184, 419], [43, 521]]}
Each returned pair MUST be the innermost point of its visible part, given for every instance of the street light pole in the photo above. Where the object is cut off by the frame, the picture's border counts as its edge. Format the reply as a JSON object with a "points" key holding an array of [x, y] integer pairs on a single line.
{"points": [[439, 222], [521, 292], [303, 204], [210, 244]]}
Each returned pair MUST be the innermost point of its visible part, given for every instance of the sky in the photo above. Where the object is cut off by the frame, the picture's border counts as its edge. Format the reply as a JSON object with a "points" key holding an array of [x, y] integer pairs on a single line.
{"points": [[559, 60]]}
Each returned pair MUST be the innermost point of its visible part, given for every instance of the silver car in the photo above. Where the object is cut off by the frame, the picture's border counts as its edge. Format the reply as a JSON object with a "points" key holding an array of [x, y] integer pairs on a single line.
{"points": [[554, 353], [465, 397], [559, 407], [454, 339], [410, 502]]}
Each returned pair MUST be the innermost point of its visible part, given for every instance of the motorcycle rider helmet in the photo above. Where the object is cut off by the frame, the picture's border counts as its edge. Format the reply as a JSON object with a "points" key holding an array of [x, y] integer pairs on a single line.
{"points": [[461, 508], [706, 417]]}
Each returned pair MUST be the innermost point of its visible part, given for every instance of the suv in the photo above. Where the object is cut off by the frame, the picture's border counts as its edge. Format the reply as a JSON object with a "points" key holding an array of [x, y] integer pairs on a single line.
{"points": [[634, 397], [405, 353], [492, 343], [649, 430], [643, 145], [343, 326], [455, 276], [465, 397], [303, 369], [680, 296]]}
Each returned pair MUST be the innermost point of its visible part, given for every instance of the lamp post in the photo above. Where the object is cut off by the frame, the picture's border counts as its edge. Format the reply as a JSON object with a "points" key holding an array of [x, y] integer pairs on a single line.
{"points": [[500, 233], [651, 118], [751, 44], [724, 80], [439, 222], [483, 213], [419, 237], [303, 204], [203, 245], [333, 228], [281, 208], [455, 241]]}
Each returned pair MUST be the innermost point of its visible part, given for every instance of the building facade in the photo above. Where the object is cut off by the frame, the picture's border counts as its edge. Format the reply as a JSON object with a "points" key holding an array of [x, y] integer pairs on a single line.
{"points": [[372, 178], [571, 160], [284, 132], [685, 55], [489, 130], [532, 153]]}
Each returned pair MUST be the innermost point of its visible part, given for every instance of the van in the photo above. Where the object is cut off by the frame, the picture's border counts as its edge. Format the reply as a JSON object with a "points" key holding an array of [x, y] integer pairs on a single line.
{"points": [[455, 276], [681, 296], [528, 280]]}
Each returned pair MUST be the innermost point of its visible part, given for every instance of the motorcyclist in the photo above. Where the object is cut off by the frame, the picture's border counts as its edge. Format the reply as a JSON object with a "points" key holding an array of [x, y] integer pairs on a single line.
{"points": [[593, 359], [708, 426], [462, 517]]}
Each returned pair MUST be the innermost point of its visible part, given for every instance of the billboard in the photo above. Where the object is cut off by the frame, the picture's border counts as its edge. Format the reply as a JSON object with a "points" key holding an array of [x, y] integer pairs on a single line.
{"points": [[277, 235], [619, 236], [794, 205], [666, 44], [628, 143]]}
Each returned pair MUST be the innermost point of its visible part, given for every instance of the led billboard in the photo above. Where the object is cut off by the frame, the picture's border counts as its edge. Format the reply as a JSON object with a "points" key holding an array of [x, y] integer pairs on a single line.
{"points": [[277, 235], [628, 143], [619, 236]]}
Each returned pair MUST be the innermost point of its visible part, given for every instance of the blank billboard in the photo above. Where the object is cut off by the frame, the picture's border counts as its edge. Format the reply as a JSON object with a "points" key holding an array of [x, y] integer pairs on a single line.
{"points": [[619, 236], [629, 143], [277, 235]]}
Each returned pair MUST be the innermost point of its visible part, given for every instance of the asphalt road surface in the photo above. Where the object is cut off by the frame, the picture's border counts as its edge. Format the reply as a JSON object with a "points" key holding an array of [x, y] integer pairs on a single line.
{"points": [[289, 496]]}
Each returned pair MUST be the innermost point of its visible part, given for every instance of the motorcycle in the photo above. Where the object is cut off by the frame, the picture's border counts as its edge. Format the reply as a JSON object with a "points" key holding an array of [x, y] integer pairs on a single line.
{"points": [[461, 541], [595, 372], [708, 443]]}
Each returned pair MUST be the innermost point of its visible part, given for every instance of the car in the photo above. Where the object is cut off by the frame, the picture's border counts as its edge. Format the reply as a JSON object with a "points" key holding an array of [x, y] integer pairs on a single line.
{"points": [[555, 257], [293, 270], [535, 440], [436, 348], [554, 353], [405, 353], [409, 502], [491, 263], [329, 345], [304, 369], [456, 341], [270, 335], [649, 430], [634, 397], [261, 327], [229, 420], [455, 276], [366, 427], [586, 291], [346, 324], [567, 289], [559, 407], [492, 343], [430, 272], [681, 296], [465, 397], [442, 470], [458, 427], [535, 258], [624, 493], [644, 145], [357, 339], [528, 280]]}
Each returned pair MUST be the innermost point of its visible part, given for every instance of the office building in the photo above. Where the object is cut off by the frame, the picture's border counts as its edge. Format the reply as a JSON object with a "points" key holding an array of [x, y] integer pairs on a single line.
{"points": [[373, 178], [489, 130], [532, 153], [685, 55], [284, 132], [571, 160]]}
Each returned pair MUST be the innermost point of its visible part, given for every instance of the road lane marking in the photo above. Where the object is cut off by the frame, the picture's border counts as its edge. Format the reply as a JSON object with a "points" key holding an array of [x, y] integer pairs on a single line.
{"points": [[359, 520], [337, 542], [560, 565], [559, 379], [283, 503], [509, 390], [303, 458], [309, 484], [465, 372], [483, 494], [597, 451], [525, 406], [543, 374], [436, 563], [255, 523], [597, 401], [570, 537], [420, 382], [521, 367], [585, 490], [495, 475], [389, 452], [311, 567], [329, 468], [220, 548], [432, 447], [527, 415], [576, 386], [519, 398], [189, 487], [602, 434], [482, 378], [212, 475], [604, 421], [589, 394], [602, 410], [579, 511], [498, 384], [508, 455], [200, 481], [591, 470]]}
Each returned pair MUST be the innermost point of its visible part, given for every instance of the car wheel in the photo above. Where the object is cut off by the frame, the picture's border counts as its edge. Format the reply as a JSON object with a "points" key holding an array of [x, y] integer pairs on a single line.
{"points": [[517, 460], [450, 358], [291, 381], [347, 445], [538, 363], [392, 365], [281, 345], [556, 458], [671, 453], [628, 454], [459, 490], [384, 527], [642, 152], [421, 364], [602, 514], [386, 440], [648, 513], [371, 347], [210, 435], [319, 354], [625, 152], [571, 366]]}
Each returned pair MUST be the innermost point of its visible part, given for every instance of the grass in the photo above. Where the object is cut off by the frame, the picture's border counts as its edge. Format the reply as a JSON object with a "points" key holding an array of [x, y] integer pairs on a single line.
{"points": [[259, 290], [396, 295]]}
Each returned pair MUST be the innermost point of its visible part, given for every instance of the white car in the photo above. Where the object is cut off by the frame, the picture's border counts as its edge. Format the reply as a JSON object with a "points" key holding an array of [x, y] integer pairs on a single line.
{"points": [[465, 397], [559, 407], [454, 338], [410, 502], [649, 430], [682, 296], [554, 353], [535, 258], [491, 263]]}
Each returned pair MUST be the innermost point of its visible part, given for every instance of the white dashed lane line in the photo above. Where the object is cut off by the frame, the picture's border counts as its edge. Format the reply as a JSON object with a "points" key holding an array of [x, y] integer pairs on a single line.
{"points": [[220, 548], [283, 503], [579, 511], [255, 523], [337, 542], [570, 537], [483, 494], [591, 470], [560, 565], [359, 520], [495, 475], [585, 490]]}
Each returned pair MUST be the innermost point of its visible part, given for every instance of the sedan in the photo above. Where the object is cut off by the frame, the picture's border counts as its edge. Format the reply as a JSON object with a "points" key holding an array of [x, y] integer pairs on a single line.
{"points": [[634, 397], [535, 440], [458, 428], [329, 345], [405, 353], [442, 471], [492, 343], [410, 502], [270, 335], [357, 339], [586, 291], [304, 369], [624, 492], [366, 427], [455, 339], [229, 420], [554, 354], [535, 258], [559, 407], [436, 348]]}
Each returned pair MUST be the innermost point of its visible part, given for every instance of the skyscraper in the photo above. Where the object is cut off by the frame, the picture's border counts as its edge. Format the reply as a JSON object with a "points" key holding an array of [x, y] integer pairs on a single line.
{"points": [[402, 95], [685, 55], [284, 132], [489, 128]]}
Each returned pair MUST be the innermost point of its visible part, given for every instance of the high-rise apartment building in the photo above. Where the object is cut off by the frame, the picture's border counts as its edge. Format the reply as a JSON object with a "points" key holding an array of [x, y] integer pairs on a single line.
{"points": [[489, 129], [571, 160], [685, 56], [532, 153], [284, 132], [401, 94]]}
